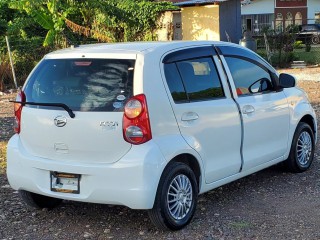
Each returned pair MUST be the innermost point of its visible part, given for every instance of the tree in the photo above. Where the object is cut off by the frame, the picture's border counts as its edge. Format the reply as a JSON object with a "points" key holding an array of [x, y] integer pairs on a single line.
{"points": [[49, 14], [129, 20], [106, 21]]}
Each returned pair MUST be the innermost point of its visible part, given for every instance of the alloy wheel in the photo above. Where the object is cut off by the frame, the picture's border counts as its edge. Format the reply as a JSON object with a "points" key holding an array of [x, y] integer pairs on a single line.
{"points": [[304, 148], [179, 197]]}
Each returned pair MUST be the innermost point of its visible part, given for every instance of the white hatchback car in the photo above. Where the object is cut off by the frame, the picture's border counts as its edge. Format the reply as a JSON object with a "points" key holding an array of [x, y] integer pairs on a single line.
{"points": [[153, 125]]}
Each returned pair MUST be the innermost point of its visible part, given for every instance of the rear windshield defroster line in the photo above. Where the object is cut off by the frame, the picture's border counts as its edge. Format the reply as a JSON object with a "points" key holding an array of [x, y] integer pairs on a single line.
{"points": [[61, 105]]}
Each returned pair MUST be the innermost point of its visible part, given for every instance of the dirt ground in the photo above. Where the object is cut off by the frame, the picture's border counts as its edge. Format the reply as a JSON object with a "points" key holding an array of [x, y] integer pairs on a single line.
{"points": [[270, 204]]}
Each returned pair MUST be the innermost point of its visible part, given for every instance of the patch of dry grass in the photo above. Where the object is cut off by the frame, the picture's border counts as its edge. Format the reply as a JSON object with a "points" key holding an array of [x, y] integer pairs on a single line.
{"points": [[3, 152], [313, 91]]}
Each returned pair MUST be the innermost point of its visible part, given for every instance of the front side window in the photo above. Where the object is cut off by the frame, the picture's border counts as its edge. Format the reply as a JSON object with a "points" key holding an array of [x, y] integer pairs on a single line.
{"points": [[82, 84], [248, 77]]}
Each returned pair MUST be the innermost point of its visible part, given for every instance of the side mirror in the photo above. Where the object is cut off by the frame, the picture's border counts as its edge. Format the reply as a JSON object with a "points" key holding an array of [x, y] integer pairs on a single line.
{"points": [[260, 85], [286, 81]]}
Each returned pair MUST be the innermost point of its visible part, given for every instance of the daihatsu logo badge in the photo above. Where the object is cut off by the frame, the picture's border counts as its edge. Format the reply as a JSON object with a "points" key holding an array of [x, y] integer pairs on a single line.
{"points": [[60, 121]]}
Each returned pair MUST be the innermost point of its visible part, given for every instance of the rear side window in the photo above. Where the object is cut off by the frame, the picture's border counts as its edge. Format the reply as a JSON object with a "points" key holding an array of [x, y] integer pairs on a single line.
{"points": [[175, 84], [82, 84], [200, 79], [193, 80]]}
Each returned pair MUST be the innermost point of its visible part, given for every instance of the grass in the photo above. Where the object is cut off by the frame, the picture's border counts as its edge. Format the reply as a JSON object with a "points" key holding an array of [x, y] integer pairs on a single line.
{"points": [[240, 225], [3, 152], [311, 58]]}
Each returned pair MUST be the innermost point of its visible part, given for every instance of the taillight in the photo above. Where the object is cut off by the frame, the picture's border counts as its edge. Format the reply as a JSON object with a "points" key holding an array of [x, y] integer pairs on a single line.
{"points": [[136, 124], [21, 97]]}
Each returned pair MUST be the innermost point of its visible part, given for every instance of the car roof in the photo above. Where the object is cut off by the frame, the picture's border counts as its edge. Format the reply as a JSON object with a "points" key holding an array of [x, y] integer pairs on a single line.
{"points": [[131, 47], [311, 25]]}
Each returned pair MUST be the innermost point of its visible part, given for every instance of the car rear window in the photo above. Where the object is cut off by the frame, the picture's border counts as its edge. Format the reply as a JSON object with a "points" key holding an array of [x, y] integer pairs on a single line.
{"points": [[82, 84]]}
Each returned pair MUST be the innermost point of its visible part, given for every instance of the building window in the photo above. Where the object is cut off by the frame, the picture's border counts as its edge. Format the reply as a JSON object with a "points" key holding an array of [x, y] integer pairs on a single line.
{"points": [[317, 17], [289, 20], [298, 19], [279, 22]]}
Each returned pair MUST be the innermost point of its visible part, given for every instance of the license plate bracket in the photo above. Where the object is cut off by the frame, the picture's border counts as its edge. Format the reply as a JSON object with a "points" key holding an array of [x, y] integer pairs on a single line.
{"points": [[65, 182]]}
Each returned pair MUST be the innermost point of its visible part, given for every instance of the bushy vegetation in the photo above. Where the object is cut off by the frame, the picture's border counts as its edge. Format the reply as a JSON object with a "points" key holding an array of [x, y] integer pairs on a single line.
{"points": [[285, 48], [102, 20], [36, 27], [298, 45], [310, 58]]}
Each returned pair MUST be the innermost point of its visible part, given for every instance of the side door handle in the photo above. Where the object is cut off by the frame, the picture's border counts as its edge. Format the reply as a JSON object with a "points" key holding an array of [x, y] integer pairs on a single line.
{"points": [[189, 116], [247, 109]]}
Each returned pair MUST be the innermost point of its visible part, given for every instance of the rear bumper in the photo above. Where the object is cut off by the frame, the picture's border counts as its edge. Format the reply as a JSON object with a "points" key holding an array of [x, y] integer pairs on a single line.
{"points": [[132, 181]]}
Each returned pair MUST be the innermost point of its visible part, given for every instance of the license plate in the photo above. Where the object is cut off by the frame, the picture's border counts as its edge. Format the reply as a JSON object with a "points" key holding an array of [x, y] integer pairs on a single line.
{"points": [[65, 182]]}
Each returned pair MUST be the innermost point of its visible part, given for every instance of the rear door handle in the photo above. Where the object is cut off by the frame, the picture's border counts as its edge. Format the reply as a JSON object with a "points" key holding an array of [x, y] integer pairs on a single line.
{"points": [[247, 109], [189, 116]]}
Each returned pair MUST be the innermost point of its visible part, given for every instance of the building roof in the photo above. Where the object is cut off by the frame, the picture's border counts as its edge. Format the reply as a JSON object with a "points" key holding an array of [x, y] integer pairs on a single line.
{"points": [[197, 2]]}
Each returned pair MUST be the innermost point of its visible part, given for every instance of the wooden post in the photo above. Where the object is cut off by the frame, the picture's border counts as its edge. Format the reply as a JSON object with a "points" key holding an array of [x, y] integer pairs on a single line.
{"points": [[269, 54], [11, 62]]}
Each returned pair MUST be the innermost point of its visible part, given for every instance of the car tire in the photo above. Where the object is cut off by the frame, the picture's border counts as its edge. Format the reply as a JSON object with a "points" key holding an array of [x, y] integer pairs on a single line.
{"points": [[302, 149], [315, 39], [176, 198], [39, 201]]}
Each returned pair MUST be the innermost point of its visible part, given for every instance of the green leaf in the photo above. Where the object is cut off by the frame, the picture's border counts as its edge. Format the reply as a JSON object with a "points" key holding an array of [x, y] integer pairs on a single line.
{"points": [[52, 6], [49, 40], [44, 20], [19, 5]]}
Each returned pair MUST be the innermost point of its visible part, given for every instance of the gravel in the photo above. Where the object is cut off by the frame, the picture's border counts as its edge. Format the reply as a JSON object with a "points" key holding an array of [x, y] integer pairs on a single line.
{"points": [[6, 117], [270, 204]]}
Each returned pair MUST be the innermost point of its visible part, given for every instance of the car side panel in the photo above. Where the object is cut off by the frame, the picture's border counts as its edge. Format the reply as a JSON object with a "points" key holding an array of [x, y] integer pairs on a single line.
{"points": [[162, 119], [216, 134], [165, 130], [299, 107], [265, 129]]}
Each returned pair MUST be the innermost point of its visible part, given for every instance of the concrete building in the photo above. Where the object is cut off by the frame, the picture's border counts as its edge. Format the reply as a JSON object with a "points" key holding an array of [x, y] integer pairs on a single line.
{"points": [[257, 15], [278, 14], [202, 20]]}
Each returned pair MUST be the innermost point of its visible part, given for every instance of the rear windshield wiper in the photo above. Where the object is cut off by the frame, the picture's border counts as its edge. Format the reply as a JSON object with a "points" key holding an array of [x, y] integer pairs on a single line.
{"points": [[61, 105]]}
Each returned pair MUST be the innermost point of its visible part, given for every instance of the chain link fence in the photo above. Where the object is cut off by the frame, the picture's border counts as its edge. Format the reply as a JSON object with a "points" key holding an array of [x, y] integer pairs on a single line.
{"points": [[26, 53]]}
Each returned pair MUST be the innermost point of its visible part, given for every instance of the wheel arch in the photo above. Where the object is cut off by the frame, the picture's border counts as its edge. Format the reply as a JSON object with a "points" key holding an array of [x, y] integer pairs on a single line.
{"points": [[192, 162], [189, 160], [308, 119], [302, 147], [159, 214], [300, 111]]}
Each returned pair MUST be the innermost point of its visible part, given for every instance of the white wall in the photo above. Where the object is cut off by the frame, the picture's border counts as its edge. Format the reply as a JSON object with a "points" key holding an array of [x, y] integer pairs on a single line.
{"points": [[260, 7], [313, 7]]}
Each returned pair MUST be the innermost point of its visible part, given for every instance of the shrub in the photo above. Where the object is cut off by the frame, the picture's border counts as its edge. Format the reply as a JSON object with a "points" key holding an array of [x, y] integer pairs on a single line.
{"points": [[284, 60], [297, 45], [308, 48]]}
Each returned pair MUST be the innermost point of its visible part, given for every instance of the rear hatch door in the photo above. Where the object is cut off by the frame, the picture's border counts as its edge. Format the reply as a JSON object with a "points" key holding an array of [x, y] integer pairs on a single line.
{"points": [[96, 91]]}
